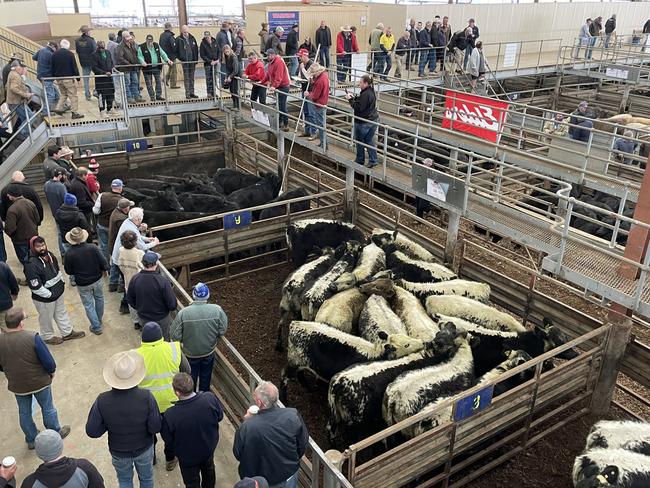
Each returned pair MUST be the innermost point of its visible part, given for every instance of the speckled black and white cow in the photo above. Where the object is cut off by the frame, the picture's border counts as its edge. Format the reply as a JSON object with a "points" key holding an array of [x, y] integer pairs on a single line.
{"points": [[314, 296], [294, 286], [305, 235], [464, 288], [611, 468], [392, 241], [355, 394], [409, 309], [620, 434], [320, 351], [406, 268], [371, 262], [412, 391], [342, 310], [473, 311], [377, 317]]}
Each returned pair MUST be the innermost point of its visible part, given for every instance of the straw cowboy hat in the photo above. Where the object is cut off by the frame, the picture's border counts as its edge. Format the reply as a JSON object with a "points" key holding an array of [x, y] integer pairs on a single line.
{"points": [[346, 29], [124, 370], [65, 150], [315, 69], [76, 236]]}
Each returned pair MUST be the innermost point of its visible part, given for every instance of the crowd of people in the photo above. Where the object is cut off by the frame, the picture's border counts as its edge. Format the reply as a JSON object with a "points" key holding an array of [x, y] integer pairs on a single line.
{"points": [[162, 387]]}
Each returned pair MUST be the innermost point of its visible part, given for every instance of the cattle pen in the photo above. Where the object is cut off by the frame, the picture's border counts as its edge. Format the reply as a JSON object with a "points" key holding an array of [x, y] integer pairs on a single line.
{"points": [[458, 451]]}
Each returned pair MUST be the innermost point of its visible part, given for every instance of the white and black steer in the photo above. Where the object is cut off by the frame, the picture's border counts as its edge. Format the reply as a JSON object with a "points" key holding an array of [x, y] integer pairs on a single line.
{"points": [[342, 310], [355, 394], [372, 261], [473, 311], [415, 270], [415, 318], [620, 434], [611, 468], [377, 317], [464, 288], [392, 241], [294, 286], [314, 296], [305, 235]]}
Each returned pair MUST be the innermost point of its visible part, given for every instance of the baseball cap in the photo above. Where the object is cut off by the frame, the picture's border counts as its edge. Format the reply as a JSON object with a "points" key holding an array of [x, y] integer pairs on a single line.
{"points": [[117, 183], [302, 52], [149, 37], [150, 258], [295, 25], [254, 482], [270, 51], [207, 34], [125, 203]]}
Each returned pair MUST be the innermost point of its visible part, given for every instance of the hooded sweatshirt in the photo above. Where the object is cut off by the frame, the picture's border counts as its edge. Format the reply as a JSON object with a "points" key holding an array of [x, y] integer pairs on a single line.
{"points": [[43, 276], [73, 473]]}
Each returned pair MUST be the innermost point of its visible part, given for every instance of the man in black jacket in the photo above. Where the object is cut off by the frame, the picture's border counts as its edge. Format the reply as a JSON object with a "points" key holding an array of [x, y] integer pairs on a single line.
{"points": [[167, 42], [52, 163], [8, 291], [426, 50], [67, 217], [413, 44], [471, 38], [85, 46], [131, 417], [271, 442], [209, 52], [152, 295], [18, 187], [80, 190], [323, 40], [46, 282], [191, 428], [64, 65], [610, 27], [291, 48], [60, 470], [187, 51], [88, 265]]}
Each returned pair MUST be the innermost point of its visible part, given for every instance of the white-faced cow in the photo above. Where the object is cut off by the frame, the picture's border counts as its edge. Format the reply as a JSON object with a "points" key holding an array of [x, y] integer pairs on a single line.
{"points": [[464, 288], [415, 318], [611, 468], [620, 434], [342, 310], [378, 318]]}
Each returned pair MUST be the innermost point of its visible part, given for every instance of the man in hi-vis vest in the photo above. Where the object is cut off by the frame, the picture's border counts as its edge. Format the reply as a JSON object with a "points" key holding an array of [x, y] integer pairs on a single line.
{"points": [[162, 361]]}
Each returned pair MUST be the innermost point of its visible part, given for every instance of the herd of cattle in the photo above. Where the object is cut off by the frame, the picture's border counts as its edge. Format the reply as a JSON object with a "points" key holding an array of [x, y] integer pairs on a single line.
{"points": [[169, 199], [617, 455], [391, 331]]}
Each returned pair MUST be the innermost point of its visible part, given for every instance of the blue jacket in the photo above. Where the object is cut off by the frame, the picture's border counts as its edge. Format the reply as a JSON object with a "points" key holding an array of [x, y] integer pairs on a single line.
{"points": [[8, 286], [43, 58], [191, 428]]}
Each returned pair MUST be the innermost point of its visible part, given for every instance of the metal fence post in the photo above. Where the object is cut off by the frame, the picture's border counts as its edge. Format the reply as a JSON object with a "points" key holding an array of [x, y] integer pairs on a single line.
{"points": [[337, 459]]}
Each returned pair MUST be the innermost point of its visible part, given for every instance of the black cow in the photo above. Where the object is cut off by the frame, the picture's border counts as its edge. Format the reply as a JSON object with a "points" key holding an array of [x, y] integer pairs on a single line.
{"points": [[163, 201], [149, 183], [269, 213], [154, 219], [303, 236], [258, 194], [135, 195], [230, 180], [203, 202]]}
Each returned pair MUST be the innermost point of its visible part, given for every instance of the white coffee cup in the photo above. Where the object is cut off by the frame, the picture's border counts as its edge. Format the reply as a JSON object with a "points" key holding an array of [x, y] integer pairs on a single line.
{"points": [[9, 461], [253, 409]]}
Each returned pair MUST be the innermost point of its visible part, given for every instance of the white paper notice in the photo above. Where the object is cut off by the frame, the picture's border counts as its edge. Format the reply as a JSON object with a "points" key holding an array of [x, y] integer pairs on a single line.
{"points": [[510, 55], [261, 117], [437, 190], [359, 64]]}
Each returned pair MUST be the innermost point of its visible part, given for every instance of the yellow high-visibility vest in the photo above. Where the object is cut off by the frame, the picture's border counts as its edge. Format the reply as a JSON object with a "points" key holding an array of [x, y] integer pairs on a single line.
{"points": [[162, 361]]}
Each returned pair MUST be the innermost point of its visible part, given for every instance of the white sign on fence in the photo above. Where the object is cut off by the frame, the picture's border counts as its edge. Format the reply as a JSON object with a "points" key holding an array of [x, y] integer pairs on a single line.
{"points": [[621, 74], [359, 64], [437, 190], [510, 54], [261, 117]]}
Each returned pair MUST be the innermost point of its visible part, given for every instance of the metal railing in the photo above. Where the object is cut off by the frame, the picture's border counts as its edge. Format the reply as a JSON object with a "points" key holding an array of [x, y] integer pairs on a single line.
{"points": [[23, 132]]}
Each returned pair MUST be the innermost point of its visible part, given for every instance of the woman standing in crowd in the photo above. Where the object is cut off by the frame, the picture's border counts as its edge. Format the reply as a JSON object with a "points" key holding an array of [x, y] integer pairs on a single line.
{"points": [[233, 72], [102, 67], [365, 121]]}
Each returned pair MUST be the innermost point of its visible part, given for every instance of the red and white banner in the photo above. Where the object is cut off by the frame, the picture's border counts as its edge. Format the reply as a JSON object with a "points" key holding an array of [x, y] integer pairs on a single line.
{"points": [[480, 116]]}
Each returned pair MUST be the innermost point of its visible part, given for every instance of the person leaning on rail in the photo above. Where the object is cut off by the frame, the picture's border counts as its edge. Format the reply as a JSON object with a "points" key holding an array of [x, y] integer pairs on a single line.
{"points": [[365, 117]]}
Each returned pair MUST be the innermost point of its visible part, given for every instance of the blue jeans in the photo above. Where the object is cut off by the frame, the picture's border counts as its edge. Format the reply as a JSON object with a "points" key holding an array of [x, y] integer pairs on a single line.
{"points": [[608, 37], [308, 112], [364, 132], [468, 53], [324, 56], [132, 84], [293, 66], [3, 250], [290, 483], [429, 57], [114, 275], [202, 371], [22, 252], [85, 71], [388, 58], [281, 93], [318, 116], [345, 63], [102, 236], [50, 417], [92, 298], [143, 465], [24, 114], [378, 62], [67, 246], [51, 93]]}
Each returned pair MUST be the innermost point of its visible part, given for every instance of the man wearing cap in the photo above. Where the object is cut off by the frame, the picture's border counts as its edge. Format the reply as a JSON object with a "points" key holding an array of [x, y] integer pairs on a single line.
{"points": [[209, 52], [67, 217], [21, 224], [91, 179], [273, 42], [346, 44], [167, 42], [580, 125], [151, 294], [7, 67], [43, 58], [128, 63], [305, 83], [291, 47], [60, 470], [64, 66], [255, 73], [88, 265], [130, 416], [55, 191], [79, 189], [187, 51], [29, 368], [117, 217], [46, 283], [191, 428], [472, 36], [323, 41], [198, 327], [104, 205], [19, 187], [162, 361], [151, 57], [85, 46], [17, 95], [317, 97], [53, 162], [271, 442], [133, 222], [277, 76]]}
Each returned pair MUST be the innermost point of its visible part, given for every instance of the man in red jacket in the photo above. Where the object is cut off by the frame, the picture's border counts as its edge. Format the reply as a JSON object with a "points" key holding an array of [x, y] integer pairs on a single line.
{"points": [[255, 73], [346, 44], [318, 96], [277, 76]]}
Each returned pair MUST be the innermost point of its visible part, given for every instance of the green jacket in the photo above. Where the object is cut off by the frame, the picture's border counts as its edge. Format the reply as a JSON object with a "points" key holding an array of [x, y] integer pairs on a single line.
{"points": [[198, 327]]}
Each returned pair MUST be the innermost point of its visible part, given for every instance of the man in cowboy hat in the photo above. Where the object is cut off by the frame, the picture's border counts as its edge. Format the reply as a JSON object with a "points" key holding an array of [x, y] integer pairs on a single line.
{"points": [[85, 46], [65, 159], [130, 416], [346, 44], [317, 97], [87, 264]]}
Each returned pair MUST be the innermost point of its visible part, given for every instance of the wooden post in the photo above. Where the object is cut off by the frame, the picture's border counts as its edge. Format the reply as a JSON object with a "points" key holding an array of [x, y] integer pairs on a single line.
{"points": [[614, 350], [452, 235], [336, 458], [182, 12], [184, 277], [349, 194]]}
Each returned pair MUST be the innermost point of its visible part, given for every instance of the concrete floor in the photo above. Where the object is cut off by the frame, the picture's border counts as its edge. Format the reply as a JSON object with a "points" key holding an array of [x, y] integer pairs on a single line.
{"points": [[79, 380]]}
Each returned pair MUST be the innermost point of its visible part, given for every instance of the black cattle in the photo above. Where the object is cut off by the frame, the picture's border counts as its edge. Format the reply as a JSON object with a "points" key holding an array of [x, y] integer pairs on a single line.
{"points": [[230, 180], [258, 194], [154, 219], [148, 183], [203, 202], [134, 195], [303, 236], [269, 213], [163, 201]]}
